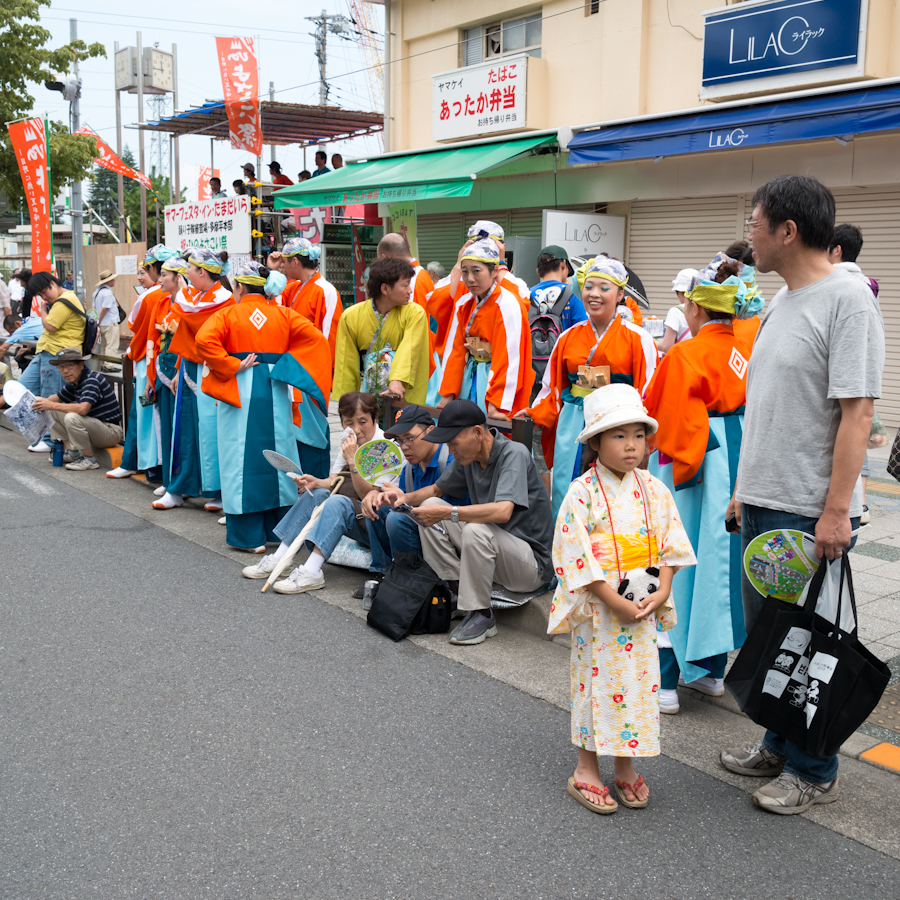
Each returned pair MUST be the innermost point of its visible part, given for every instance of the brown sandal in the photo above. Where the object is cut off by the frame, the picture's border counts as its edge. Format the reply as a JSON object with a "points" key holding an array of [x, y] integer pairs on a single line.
{"points": [[574, 789], [622, 786]]}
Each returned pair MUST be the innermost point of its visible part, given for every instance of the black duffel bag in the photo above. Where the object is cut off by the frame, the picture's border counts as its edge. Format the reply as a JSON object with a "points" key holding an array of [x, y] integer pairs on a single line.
{"points": [[411, 599]]}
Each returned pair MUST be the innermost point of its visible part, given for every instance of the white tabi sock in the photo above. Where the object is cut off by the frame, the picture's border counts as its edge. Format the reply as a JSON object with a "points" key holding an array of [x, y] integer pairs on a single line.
{"points": [[169, 501]]}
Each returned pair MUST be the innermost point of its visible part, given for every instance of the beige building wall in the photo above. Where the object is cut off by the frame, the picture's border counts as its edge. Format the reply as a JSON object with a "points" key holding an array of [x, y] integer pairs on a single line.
{"points": [[632, 58]]}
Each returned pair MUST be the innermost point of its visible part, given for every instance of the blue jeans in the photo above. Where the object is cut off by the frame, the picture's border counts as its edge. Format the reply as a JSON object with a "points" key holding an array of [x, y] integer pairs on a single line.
{"points": [[756, 520], [336, 520], [42, 379], [392, 533]]}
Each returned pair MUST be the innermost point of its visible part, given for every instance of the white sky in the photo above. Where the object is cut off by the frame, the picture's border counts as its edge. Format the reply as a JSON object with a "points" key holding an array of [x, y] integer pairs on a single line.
{"points": [[284, 45]]}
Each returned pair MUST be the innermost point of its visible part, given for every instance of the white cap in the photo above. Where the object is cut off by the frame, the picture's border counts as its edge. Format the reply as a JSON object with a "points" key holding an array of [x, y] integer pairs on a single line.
{"points": [[684, 279], [612, 405]]}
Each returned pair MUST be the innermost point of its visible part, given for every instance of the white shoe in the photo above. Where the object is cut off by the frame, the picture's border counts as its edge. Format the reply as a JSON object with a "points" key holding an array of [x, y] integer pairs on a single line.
{"points": [[119, 472], [223, 520], [299, 581], [213, 506], [159, 491], [263, 569], [40, 447], [668, 702], [168, 501], [712, 687], [866, 516]]}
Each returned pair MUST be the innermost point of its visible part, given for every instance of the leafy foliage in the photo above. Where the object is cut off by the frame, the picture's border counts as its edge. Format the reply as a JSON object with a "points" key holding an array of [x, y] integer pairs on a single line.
{"points": [[133, 206], [26, 58]]}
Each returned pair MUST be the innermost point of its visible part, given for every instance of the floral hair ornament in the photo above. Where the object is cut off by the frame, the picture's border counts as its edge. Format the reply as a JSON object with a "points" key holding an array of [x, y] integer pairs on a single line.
{"points": [[483, 228], [484, 251], [608, 268], [206, 259], [301, 247]]}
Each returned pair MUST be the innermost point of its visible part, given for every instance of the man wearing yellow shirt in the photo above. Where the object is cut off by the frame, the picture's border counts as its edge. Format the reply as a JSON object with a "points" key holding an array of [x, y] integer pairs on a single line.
{"points": [[63, 327]]}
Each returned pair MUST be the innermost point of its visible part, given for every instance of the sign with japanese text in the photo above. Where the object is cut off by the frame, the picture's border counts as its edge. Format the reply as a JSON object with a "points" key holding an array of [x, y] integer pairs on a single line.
{"points": [[109, 160], [479, 100], [240, 85], [310, 222], [30, 147], [215, 224], [785, 37], [203, 190], [403, 221]]}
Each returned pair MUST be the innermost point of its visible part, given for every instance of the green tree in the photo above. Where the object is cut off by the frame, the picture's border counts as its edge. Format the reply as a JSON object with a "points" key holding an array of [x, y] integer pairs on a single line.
{"points": [[104, 190], [133, 206], [26, 58]]}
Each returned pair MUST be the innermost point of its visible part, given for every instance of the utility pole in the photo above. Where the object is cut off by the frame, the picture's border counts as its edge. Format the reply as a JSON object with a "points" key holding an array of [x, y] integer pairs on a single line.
{"points": [[77, 225], [176, 164], [336, 24], [140, 95], [120, 178], [386, 135]]}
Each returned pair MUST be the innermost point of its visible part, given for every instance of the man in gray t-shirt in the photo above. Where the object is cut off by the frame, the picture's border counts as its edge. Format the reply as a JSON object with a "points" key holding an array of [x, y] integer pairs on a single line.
{"points": [[505, 535], [813, 375]]}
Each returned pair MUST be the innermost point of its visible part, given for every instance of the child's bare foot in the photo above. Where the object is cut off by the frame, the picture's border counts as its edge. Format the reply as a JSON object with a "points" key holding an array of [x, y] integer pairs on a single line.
{"points": [[633, 788], [587, 772]]}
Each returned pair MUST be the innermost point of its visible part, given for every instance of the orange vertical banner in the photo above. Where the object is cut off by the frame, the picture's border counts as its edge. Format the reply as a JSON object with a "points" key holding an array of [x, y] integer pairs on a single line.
{"points": [[240, 86], [203, 189], [30, 146]]}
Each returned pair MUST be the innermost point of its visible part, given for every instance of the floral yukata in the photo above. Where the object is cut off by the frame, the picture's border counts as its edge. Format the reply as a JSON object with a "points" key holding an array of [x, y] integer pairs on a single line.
{"points": [[614, 667]]}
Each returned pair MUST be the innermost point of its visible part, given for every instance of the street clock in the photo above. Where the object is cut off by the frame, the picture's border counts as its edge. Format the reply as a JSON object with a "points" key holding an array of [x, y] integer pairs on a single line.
{"points": [[158, 66]]}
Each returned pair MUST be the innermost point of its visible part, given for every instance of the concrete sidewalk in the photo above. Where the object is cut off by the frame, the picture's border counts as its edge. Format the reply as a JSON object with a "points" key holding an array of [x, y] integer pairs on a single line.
{"points": [[522, 656]]}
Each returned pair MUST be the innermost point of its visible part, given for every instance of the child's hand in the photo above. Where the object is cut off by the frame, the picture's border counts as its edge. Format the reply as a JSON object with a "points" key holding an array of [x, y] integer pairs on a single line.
{"points": [[650, 604]]}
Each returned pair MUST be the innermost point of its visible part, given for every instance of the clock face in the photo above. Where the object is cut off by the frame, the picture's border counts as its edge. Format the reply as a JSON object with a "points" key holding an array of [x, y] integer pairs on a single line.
{"points": [[124, 74], [162, 71]]}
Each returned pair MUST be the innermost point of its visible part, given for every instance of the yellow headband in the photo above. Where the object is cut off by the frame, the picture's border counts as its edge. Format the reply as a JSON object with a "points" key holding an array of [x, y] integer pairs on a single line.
{"points": [[251, 279], [715, 297]]}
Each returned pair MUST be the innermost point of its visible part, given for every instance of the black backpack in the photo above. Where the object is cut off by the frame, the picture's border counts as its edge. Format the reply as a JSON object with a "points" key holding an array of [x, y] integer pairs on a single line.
{"points": [[546, 327], [411, 599], [91, 328]]}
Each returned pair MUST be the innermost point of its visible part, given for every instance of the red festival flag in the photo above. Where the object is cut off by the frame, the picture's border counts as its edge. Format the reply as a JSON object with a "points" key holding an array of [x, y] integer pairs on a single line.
{"points": [[203, 189], [240, 84], [109, 160], [359, 265], [30, 146]]}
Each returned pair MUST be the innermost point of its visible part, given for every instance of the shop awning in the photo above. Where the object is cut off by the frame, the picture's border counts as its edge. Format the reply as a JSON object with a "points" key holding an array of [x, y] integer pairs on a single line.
{"points": [[841, 115], [423, 175]]}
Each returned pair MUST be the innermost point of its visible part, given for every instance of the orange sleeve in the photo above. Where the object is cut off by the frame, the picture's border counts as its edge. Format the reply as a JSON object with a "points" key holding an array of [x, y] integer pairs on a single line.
{"points": [[511, 372], [673, 399], [548, 403], [637, 318], [455, 356], [439, 306], [211, 346]]}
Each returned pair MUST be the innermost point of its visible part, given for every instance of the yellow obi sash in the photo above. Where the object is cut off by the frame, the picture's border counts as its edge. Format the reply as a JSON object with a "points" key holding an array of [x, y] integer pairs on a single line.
{"points": [[635, 551]]}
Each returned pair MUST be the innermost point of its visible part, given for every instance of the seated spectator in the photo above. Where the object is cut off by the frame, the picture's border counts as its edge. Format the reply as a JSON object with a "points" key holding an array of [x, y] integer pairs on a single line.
{"points": [[504, 536], [382, 345], [425, 463], [86, 413], [676, 324], [342, 513], [28, 330]]}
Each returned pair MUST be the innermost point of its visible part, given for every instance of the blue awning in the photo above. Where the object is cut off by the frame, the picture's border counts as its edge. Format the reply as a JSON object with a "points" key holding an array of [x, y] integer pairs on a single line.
{"points": [[834, 115]]}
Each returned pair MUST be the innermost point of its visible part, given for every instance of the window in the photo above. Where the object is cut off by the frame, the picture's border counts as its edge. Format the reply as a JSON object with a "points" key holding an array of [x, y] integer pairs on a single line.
{"points": [[591, 7], [519, 35]]}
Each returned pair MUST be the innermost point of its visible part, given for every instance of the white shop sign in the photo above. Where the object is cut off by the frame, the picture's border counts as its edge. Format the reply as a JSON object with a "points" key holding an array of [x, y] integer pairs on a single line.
{"points": [[480, 100], [222, 224], [584, 234]]}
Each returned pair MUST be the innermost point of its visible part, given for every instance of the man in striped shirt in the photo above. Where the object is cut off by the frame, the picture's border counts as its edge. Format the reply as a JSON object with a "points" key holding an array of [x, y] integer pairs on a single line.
{"points": [[85, 411]]}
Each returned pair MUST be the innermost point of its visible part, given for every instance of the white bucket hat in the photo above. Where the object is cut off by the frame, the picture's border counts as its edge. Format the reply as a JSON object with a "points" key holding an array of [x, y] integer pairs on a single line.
{"points": [[613, 405], [684, 279]]}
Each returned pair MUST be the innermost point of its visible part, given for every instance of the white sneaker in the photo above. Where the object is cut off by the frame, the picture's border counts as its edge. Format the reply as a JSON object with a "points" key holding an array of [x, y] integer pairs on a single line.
{"points": [[712, 687], [263, 569], [299, 581], [119, 472], [159, 491], [223, 520], [40, 447], [866, 516], [668, 702]]}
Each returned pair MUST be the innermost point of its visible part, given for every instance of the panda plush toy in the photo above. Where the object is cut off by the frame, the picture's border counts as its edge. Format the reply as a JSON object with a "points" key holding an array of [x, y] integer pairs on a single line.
{"points": [[636, 584]]}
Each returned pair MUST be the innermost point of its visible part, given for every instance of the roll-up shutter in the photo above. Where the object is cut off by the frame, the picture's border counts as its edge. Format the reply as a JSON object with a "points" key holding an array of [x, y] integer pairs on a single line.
{"points": [[665, 236], [440, 237]]}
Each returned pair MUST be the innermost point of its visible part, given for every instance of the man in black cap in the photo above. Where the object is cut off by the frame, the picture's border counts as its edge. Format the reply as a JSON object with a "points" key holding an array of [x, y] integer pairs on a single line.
{"points": [[275, 174], [85, 412], [393, 532], [504, 536]]}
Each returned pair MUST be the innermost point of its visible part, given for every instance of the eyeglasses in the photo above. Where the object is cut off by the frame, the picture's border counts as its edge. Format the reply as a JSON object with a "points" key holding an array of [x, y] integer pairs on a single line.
{"points": [[409, 439], [751, 225]]}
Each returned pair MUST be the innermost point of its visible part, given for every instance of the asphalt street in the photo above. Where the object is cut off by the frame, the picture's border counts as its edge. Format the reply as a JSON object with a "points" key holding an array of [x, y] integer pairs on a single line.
{"points": [[167, 731]]}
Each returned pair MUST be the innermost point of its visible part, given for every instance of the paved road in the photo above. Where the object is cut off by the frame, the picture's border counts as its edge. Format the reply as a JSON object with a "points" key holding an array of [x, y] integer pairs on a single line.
{"points": [[169, 732]]}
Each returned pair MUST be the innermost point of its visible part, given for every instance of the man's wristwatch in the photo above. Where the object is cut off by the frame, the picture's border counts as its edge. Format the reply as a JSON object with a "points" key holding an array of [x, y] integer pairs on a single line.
{"points": [[454, 514]]}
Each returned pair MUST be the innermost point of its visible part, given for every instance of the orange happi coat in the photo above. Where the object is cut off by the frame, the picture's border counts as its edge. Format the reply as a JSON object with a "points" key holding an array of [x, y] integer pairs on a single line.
{"points": [[503, 323], [708, 372], [629, 352], [143, 322], [319, 301], [257, 325], [192, 309]]}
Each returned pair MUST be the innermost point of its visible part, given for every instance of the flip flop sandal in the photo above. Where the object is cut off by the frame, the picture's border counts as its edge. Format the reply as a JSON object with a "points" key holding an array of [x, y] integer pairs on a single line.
{"points": [[574, 789], [622, 786]]}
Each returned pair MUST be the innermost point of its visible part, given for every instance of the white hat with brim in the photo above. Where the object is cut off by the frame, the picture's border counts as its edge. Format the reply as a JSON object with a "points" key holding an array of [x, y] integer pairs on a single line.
{"points": [[684, 279], [611, 406]]}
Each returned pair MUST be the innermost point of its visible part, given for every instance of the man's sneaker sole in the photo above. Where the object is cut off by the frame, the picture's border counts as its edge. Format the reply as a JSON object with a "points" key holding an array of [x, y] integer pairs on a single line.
{"points": [[828, 797], [293, 589], [491, 632]]}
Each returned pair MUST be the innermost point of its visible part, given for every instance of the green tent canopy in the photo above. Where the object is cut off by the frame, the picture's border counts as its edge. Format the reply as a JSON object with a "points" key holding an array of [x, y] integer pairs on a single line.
{"points": [[414, 176]]}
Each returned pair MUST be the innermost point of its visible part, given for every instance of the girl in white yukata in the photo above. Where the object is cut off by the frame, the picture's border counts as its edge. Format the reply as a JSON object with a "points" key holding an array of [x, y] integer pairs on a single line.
{"points": [[615, 522]]}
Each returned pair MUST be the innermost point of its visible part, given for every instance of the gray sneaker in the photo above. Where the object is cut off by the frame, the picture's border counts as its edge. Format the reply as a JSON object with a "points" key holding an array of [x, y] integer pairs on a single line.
{"points": [[789, 794], [476, 627], [753, 760], [83, 463]]}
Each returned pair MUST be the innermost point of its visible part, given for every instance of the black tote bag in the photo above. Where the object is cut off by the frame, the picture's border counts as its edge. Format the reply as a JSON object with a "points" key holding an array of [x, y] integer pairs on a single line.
{"points": [[802, 676]]}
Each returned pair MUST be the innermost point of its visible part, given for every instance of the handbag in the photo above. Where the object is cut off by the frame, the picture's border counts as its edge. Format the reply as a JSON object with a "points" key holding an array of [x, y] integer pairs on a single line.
{"points": [[805, 677], [893, 465], [411, 599]]}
